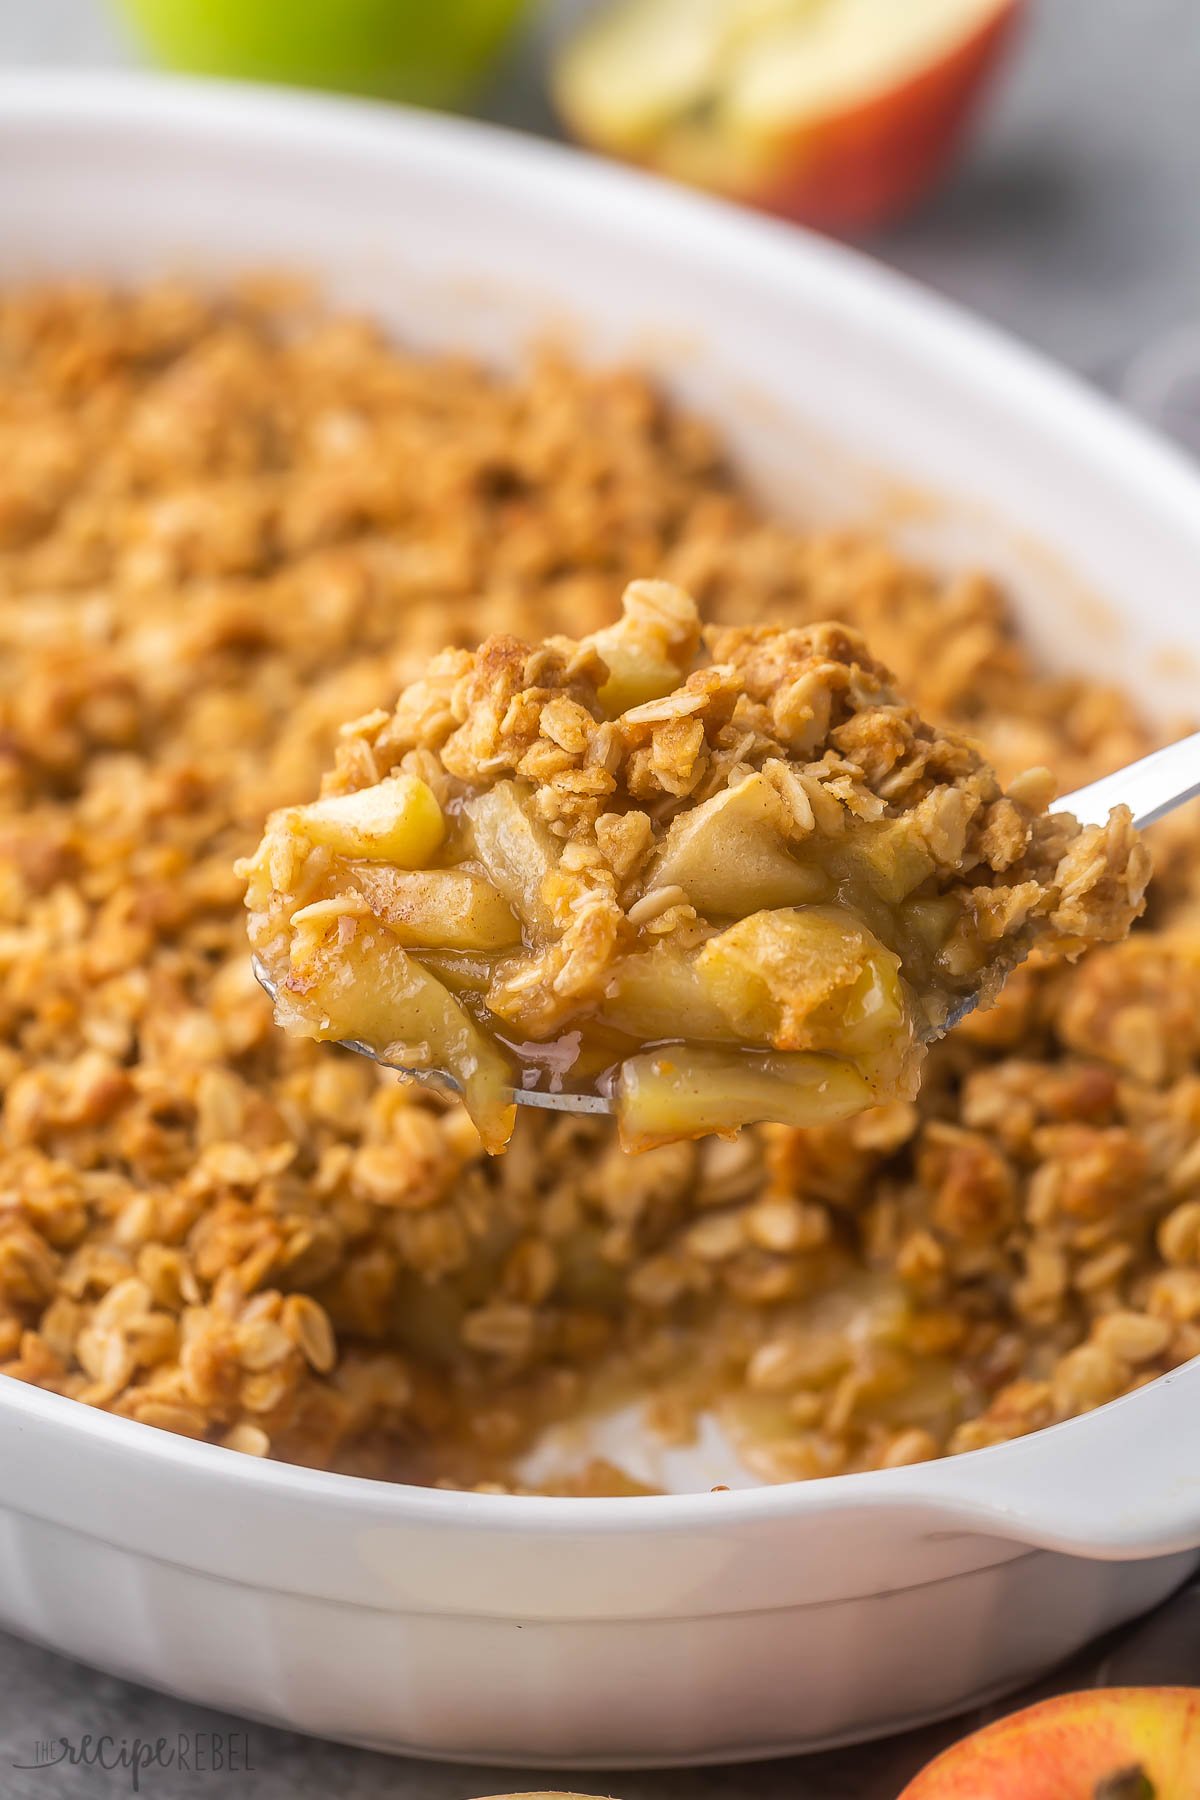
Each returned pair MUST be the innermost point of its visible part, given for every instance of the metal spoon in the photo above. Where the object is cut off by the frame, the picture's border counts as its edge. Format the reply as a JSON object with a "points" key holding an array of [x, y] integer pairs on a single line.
{"points": [[1150, 788]]}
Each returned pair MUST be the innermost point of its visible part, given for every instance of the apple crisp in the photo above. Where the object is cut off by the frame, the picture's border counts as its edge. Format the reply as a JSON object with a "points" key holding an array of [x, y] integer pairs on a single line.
{"points": [[228, 524], [717, 876]]}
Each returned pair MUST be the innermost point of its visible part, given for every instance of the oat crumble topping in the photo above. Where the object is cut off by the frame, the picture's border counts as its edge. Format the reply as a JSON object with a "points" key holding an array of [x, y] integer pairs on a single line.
{"points": [[228, 525]]}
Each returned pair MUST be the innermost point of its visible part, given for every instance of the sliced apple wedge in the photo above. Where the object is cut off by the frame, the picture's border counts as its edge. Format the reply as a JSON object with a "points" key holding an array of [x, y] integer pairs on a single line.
{"points": [[691, 1091], [396, 821], [378, 995], [838, 113], [447, 908], [729, 855], [649, 649], [661, 994], [515, 848], [810, 978]]}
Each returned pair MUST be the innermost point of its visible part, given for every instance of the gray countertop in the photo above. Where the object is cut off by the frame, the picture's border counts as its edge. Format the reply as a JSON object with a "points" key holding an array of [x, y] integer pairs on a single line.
{"points": [[1075, 222]]}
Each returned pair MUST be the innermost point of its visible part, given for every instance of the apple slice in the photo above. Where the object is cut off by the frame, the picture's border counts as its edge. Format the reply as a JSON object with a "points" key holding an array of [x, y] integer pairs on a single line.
{"points": [[729, 855], [692, 1091], [1109, 1744], [377, 995], [839, 113], [395, 821], [516, 848], [447, 908]]}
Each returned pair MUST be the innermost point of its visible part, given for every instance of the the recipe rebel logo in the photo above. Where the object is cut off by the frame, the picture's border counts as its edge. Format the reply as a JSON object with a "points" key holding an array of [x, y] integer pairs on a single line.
{"points": [[220, 1753]]}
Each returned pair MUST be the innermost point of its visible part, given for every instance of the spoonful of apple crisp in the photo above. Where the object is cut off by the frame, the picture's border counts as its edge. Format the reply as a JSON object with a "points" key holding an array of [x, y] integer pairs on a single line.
{"points": [[696, 878]]}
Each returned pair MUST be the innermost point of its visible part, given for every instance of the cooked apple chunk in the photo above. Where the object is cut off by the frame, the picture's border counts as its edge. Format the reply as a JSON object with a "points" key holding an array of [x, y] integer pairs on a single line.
{"points": [[451, 908], [515, 848], [717, 877], [730, 854], [373, 993], [812, 978], [693, 1091], [397, 821], [650, 648]]}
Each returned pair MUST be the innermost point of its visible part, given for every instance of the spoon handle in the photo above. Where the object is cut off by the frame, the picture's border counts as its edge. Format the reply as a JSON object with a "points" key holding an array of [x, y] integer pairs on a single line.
{"points": [[1156, 785]]}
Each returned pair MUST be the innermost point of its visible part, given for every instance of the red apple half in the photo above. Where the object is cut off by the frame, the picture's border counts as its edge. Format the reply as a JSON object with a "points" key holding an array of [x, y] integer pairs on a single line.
{"points": [[1109, 1744], [839, 113]]}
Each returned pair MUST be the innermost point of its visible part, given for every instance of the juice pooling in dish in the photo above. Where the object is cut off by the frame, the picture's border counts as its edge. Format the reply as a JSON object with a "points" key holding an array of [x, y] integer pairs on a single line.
{"points": [[721, 876]]}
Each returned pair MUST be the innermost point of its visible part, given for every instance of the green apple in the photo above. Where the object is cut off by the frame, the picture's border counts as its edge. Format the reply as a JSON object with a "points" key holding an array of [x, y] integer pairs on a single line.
{"points": [[432, 52]]}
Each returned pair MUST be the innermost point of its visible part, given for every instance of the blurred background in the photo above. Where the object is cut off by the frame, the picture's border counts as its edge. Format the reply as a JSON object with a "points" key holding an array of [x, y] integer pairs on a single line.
{"points": [[1035, 159]]}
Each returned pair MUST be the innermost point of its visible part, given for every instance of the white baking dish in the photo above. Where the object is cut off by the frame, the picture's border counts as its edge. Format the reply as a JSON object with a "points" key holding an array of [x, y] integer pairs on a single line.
{"points": [[693, 1626]]}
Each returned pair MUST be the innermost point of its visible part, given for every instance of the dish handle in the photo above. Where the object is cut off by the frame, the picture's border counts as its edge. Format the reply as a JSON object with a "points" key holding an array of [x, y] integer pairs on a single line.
{"points": [[1119, 1483]]}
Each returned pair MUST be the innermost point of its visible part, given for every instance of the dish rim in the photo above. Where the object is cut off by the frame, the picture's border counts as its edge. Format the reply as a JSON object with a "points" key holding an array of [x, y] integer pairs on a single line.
{"points": [[71, 103], [866, 1490]]}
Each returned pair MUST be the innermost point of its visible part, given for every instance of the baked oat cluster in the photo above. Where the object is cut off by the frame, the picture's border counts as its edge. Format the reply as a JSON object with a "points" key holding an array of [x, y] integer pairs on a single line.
{"points": [[226, 526], [719, 876]]}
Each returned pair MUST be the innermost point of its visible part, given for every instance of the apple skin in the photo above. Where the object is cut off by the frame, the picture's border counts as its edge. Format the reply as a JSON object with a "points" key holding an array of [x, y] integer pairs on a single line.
{"points": [[429, 52], [1068, 1747], [869, 166]]}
